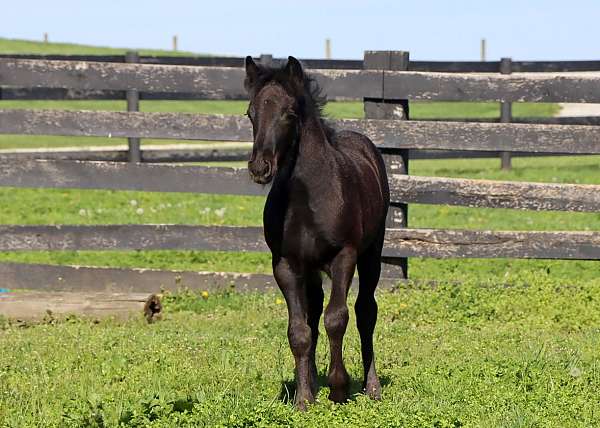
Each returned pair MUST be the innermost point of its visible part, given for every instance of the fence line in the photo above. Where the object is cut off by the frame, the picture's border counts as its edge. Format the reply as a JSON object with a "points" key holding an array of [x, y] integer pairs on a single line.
{"points": [[380, 86], [338, 64], [388, 134], [227, 83], [398, 243], [220, 180]]}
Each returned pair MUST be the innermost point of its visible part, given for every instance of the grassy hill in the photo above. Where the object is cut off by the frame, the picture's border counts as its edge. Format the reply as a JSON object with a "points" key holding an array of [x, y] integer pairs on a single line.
{"points": [[17, 46]]}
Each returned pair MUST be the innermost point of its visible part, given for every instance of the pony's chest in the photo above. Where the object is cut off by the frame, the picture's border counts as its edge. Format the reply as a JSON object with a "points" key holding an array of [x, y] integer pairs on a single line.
{"points": [[297, 233], [304, 239]]}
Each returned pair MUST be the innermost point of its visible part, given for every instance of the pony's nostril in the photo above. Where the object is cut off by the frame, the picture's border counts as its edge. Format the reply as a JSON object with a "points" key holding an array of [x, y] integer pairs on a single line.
{"points": [[267, 169]]}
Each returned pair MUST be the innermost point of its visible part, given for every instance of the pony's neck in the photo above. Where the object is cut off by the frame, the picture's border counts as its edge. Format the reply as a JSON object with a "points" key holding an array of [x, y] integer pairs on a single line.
{"points": [[307, 151], [313, 139]]}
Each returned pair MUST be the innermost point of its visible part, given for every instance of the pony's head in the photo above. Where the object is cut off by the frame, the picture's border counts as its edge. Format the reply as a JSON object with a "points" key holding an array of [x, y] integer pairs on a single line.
{"points": [[277, 104]]}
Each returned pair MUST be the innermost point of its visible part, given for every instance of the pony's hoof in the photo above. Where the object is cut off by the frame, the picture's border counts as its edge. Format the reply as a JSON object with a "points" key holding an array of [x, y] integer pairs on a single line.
{"points": [[338, 395], [373, 390], [301, 404]]}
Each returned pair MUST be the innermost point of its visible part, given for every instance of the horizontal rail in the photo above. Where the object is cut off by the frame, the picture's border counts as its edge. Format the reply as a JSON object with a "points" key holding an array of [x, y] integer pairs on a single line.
{"points": [[121, 280], [117, 124], [84, 279], [178, 153], [210, 82], [200, 179], [398, 242], [131, 237], [227, 82], [516, 87], [444, 244], [127, 176], [559, 120], [435, 66], [170, 153], [495, 194], [388, 134]]}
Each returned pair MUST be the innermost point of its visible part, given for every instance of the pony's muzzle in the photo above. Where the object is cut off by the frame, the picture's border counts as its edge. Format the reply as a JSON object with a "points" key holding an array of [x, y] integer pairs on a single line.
{"points": [[261, 171]]}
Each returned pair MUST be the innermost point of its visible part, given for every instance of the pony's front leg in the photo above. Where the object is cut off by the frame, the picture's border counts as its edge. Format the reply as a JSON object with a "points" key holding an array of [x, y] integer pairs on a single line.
{"points": [[336, 321], [290, 279]]}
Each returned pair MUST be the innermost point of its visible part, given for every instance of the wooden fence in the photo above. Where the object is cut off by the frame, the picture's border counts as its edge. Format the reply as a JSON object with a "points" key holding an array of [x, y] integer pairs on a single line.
{"points": [[385, 86], [192, 153]]}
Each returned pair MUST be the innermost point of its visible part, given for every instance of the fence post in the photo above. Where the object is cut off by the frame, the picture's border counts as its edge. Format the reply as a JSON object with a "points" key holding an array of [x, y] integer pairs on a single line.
{"points": [[133, 104], [266, 60], [505, 113], [397, 160]]}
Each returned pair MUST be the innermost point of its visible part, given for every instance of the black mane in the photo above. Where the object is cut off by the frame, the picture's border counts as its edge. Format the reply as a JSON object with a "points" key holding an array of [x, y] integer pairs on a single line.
{"points": [[310, 98]]}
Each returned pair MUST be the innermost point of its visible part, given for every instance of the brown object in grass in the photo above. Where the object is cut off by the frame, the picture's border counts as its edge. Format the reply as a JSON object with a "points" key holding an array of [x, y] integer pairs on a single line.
{"points": [[152, 308]]}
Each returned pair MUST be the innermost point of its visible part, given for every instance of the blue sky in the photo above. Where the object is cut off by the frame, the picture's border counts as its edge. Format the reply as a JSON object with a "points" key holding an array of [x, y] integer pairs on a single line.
{"points": [[435, 29]]}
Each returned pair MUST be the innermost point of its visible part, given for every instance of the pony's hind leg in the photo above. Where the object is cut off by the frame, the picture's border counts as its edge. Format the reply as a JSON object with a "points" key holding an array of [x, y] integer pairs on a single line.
{"points": [[314, 293], [336, 321], [369, 269]]}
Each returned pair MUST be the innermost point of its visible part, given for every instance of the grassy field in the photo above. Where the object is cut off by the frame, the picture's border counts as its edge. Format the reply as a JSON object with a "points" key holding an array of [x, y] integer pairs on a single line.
{"points": [[523, 354], [501, 343]]}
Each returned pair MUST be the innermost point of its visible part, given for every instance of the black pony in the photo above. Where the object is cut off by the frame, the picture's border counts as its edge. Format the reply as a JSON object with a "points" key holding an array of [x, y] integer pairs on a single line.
{"points": [[325, 211]]}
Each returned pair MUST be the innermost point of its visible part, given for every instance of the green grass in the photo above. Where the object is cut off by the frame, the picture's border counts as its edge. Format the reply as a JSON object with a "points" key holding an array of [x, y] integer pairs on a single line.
{"points": [[17, 46], [524, 354]]}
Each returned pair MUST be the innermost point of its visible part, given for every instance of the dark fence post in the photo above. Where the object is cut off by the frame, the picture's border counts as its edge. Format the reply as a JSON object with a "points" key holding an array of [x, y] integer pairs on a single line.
{"points": [[397, 160], [133, 104], [505, 113]]}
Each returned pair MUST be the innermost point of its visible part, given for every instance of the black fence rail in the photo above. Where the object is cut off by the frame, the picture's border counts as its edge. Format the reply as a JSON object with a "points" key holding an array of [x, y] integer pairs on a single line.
{"points": [[385, 86], [336, 64]]}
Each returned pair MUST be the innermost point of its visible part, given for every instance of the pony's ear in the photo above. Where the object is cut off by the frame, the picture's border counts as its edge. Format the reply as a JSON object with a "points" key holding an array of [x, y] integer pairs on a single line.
{"points": [[294, 72], [252, 72]]}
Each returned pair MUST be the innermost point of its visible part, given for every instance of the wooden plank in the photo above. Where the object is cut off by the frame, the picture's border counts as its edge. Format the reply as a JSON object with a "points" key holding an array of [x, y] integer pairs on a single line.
{"points": [[98, 279], [131, 237], [211, 82], [492, 66], [399, 243], [495, 194], [218, 152], [516, 87], [120, 124], [197, 179], [492, 244], [408, 189], [192, 153], [27, 305], [210, 61], [561, 120], [7, 93], [120, 176], [555, 66], [83, 279], [432, 66], [388, 134], [433, 135]]}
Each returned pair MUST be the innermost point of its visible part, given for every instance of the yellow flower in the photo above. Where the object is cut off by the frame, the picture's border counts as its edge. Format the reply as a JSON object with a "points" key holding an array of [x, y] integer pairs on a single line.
{"points": [[278, 301], [204, 295]]}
